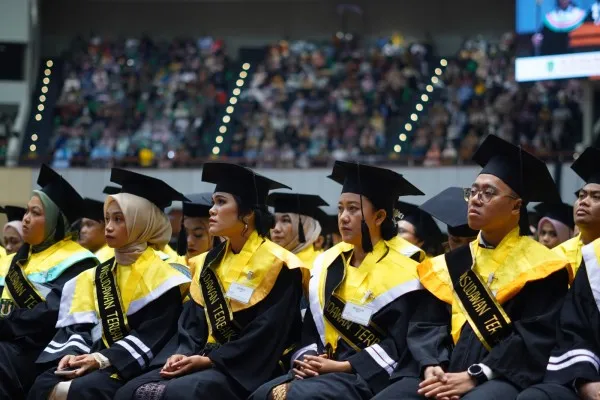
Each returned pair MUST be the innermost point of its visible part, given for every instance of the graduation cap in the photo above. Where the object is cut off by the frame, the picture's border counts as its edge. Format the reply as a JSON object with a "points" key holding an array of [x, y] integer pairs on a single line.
{"points": [[561, 212], [111, 190], [243, 182], [524, 173], [587, 165], [197, 206], [328, 222], [152, 189], [61, 193], [450, 208], [302, 204], [13, 213], [93, 209], [426, 228], [381, 186]]}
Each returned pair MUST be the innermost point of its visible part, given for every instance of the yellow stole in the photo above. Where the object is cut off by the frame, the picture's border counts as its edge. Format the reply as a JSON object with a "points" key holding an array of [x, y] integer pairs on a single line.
{"points": [[571, 250], [516, 261], [382, 276], [104, 254]]}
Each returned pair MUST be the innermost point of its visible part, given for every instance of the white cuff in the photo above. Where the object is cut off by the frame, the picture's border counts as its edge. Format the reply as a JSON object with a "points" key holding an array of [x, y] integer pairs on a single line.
{"points": [[102, 360], [488, 372]]}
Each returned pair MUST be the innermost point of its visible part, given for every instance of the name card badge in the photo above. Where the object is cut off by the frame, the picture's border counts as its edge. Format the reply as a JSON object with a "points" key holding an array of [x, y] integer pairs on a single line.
{"points": [[239, 292], [358, 314]]}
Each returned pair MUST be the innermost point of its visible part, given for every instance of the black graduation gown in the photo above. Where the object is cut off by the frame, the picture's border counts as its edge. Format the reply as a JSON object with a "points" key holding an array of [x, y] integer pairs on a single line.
{"points": [[577, 353], [370, 372], [520, 358], [239, 366], [24, 334]]}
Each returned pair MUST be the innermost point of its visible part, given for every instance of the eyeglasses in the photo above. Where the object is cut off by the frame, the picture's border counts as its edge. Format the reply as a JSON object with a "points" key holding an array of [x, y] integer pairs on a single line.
{"points": [[484, 195]]}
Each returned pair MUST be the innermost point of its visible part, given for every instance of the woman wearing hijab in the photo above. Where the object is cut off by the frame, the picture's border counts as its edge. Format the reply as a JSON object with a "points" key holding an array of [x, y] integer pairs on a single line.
{"points": [[34, 278], [245, 301], [115, 317], [13, 229], [362, 293], [296, 226], [556, 223]]}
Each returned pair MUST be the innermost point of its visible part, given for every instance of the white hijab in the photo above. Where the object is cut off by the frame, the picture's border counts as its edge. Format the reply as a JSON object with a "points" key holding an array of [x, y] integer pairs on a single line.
{"points": [[312, 230], [146, 225]]}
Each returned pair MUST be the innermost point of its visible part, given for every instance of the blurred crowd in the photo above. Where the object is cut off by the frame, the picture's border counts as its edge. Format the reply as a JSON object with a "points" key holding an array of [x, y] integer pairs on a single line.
{"points": [[479, 96], [139, 102], [6, 130]]}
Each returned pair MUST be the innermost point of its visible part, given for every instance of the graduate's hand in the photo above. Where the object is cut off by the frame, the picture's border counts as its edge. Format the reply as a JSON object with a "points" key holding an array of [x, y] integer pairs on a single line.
{"points": [[590, 391], [303, 370], [456, 385], [85, 364], [435, 378], [187, 365], [324, 365], [64, 362], [172, 360]]}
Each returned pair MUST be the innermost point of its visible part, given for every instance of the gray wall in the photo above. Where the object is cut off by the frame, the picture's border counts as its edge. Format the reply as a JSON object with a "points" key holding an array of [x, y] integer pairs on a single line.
{"points": [[247, 22]]}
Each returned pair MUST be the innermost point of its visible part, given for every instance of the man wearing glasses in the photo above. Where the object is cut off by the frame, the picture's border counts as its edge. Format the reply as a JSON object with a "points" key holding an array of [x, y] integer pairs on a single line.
{"points": [[504, 291]]}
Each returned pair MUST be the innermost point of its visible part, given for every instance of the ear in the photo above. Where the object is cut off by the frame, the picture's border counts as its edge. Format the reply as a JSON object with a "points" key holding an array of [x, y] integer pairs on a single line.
{"points": [[380, 216], [517, 205]]}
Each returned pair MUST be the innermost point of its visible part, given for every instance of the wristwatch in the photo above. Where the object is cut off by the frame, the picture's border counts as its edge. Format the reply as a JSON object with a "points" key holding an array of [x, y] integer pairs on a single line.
{"points": [[476, 372]]}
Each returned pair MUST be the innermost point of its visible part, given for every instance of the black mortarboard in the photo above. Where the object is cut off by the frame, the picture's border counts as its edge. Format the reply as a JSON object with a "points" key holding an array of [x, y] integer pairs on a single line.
{"points": [[426, 228], [328, 222], [524, 173], [450, 208], [559, 211], [243, 182], [198, 205], [587, 165], [152, 189], [381, 186], [13, 213], [93, 209], [111, 190], [61, 193], [303, 204]]}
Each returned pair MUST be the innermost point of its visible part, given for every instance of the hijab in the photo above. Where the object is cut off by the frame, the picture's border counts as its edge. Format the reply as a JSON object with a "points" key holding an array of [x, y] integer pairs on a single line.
{"points": [[563, 232], [56, 227], [146, 226], [16, 225], [312, 230]]}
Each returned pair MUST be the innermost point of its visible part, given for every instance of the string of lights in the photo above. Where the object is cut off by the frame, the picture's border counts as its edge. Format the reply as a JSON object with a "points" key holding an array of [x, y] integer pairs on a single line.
{"points": [[420, 106], [233, 100], [41, 106]]}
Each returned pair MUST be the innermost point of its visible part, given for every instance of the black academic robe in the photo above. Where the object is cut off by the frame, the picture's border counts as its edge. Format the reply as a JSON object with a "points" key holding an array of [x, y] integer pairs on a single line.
{"points": [[241, 365], [576, 356], [520, 358], [25, 332], [371, 367], [150, 328]]}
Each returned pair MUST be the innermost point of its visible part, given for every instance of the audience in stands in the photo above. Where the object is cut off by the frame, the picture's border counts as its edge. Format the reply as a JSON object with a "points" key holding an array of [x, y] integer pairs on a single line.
{"points": [[144, 103], [138, 101]]}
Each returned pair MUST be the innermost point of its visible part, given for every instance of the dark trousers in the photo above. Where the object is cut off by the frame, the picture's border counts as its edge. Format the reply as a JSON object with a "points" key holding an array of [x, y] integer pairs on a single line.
{"points": [[548, 391]]}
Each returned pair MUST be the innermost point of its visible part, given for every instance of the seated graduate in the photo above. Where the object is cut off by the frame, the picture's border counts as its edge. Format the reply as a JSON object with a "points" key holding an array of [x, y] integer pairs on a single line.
{"points": [[586, 210], [115, 317], [245, 301], [194, 237], [450, 207], [504, 289], [33, 280], [91, 232], [419, 229], [362, 294], [555, 225], [13, 229], [572, 371], [296, 226]]}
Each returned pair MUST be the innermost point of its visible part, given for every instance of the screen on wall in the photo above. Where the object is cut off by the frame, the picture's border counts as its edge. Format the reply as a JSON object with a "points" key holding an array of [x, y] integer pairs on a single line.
{"points": [[557, 39]]}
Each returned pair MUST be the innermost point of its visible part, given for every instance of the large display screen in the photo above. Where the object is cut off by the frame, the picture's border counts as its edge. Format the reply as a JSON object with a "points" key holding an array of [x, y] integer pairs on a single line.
{"points": [[557, 39]]}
